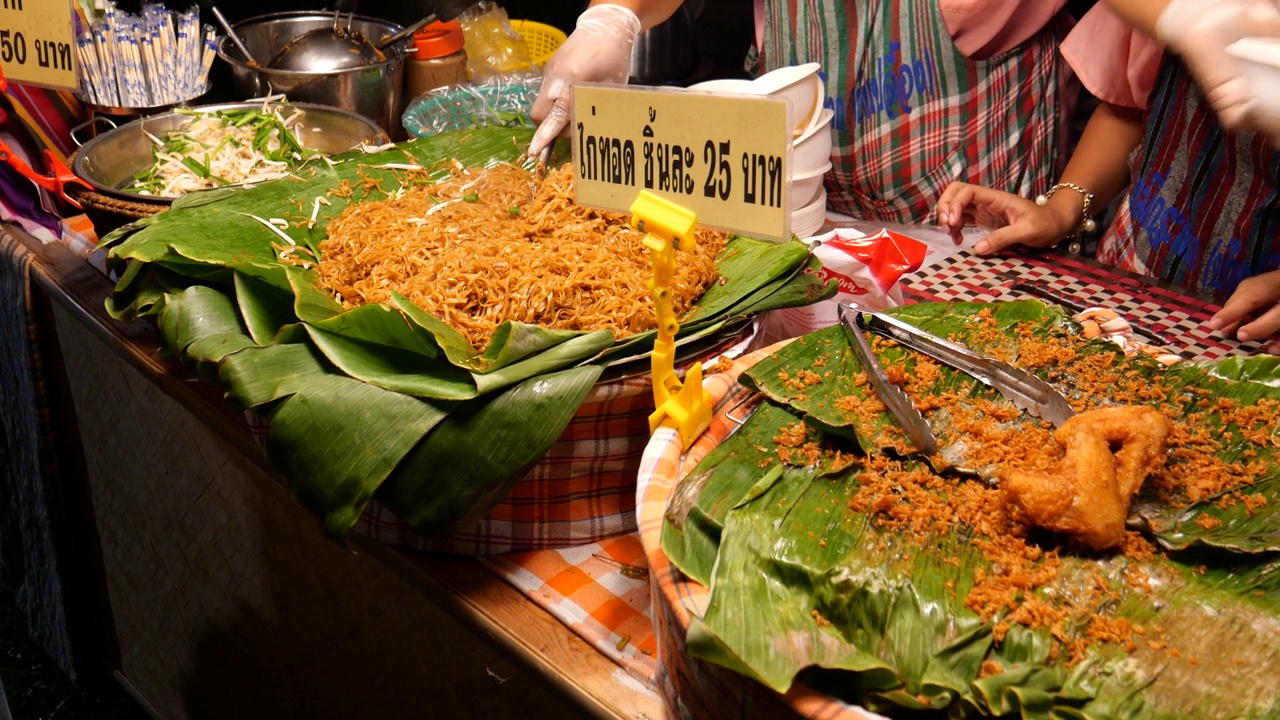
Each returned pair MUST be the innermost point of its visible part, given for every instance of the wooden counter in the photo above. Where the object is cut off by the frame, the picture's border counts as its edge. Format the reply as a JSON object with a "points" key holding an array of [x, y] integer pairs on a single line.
{"points": [[225, 600]]}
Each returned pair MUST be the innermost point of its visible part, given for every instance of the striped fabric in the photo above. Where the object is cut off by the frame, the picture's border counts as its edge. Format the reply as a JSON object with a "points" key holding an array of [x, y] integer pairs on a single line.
{"points": [[32, 568], [911, 113], [49, 114], [1203, 210]]}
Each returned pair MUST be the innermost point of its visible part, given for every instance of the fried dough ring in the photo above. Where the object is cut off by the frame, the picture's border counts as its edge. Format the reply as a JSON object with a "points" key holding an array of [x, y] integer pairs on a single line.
{"points": [[1087, 494]]}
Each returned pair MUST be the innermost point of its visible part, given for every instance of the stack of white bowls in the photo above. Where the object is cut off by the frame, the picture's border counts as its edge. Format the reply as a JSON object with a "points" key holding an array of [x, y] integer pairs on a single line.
{"points": [[801, 86]]}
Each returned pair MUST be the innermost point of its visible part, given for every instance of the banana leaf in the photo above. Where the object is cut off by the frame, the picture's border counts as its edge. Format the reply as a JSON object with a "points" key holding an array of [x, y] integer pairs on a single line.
{"points": [[385, 400], [893, 623], [830, 371], [805, 588], [517, 428]]}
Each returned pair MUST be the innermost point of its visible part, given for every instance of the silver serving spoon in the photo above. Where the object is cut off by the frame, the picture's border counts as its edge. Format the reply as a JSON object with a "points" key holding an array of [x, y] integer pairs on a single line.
{"points": [[231, 33]]}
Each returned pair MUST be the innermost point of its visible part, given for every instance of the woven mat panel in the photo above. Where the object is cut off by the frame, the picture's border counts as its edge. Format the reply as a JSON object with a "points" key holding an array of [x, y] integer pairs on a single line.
{"points": [[28, 559], [229, 603]]}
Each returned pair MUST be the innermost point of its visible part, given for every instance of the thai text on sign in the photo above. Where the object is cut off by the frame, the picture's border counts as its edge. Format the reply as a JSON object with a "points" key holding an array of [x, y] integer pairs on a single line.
{"points": [[37, 42], [725, 157]]}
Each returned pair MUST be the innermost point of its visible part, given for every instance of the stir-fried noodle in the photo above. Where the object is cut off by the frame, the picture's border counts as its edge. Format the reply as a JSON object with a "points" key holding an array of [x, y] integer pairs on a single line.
{"points": [[488, 245]]}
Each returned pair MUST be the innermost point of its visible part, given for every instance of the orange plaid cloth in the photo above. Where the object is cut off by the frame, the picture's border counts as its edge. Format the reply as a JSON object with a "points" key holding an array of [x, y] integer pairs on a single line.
{"points": [[583, 489], [690, 687], [599, 590]]}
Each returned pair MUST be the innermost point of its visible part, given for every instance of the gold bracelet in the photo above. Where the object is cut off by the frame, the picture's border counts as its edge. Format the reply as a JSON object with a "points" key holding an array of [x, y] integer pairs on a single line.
{"points": [[1087, 223]]}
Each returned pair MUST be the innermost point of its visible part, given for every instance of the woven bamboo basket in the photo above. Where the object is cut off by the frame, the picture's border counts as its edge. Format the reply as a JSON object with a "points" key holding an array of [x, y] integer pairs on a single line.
{"points": [[108, 213]]}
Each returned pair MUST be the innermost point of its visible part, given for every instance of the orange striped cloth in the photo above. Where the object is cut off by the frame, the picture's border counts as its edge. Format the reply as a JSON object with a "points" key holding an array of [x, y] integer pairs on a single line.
{"points": [[692, 688]]}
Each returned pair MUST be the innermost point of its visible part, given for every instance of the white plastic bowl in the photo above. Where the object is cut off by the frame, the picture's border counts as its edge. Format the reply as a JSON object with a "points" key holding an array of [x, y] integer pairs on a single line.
{"points": [[801, 86], [1261, 59], [806, 221], [812, 150], [804, 187], [733, 85]]}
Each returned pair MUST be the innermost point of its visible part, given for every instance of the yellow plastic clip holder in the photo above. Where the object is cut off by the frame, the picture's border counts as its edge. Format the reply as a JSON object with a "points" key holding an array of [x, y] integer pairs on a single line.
{"points": [[686, 406]]}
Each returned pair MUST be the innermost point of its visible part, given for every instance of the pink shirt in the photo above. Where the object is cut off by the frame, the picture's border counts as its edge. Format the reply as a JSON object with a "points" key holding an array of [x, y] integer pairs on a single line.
{"points": [[1113, 61], [979, 28], [985, 28]]}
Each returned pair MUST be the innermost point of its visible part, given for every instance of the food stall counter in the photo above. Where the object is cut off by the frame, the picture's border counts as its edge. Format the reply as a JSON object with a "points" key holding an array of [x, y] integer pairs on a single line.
{"points": [[222, 596]]}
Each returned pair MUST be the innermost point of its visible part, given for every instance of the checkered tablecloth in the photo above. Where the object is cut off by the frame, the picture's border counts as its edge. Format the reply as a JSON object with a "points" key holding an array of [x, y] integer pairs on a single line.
{"points": [[587, 589], [1160, 308], [600, 589]]}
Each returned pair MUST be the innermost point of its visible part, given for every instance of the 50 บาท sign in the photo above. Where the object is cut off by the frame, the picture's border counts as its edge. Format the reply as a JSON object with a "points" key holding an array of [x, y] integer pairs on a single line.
{"points": [[36, 42], [725, 157]]}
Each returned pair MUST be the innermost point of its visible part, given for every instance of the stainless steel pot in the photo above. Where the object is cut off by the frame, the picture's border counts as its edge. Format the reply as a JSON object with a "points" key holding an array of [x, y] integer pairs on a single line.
{"points": [[109, 161], [370, 90]]}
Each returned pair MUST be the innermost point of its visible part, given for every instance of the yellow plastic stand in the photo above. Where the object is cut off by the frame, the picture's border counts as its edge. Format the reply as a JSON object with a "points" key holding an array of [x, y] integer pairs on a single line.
{"points": [[668, 228]]}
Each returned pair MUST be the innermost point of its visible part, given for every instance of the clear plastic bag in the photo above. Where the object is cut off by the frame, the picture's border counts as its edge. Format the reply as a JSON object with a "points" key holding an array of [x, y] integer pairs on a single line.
{"points": [[504, 100], [494, 48]]}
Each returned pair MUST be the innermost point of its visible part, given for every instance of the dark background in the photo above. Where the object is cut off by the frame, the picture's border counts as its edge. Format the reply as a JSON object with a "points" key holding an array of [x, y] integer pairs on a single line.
{"points": [[721, 36], [722, 31]]}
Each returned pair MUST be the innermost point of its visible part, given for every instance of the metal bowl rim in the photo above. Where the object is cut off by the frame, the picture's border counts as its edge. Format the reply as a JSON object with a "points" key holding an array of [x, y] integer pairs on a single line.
{"points": [[84, 151], [392, 57]]}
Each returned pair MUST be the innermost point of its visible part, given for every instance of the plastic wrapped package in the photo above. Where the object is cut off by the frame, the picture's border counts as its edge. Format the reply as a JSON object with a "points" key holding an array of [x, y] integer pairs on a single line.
{"points": [[494, 48], [503, 101]]}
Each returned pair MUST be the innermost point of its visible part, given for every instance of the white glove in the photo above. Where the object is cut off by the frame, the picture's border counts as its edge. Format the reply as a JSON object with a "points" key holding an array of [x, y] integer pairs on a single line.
{"points": [[1199, 31], [598, 50]]}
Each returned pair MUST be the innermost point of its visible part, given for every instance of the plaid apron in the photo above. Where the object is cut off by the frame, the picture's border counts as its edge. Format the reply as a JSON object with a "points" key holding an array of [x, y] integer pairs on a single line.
{"points": [[1201, 211], [911, 113]]}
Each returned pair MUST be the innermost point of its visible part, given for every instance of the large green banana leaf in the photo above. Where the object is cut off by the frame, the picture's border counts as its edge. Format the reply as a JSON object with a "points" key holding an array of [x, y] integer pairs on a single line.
{"points": [[806, 588], [387, 400]]}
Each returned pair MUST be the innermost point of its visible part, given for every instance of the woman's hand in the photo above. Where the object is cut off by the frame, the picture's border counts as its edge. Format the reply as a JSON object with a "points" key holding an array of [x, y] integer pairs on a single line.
{"points": [[1252, 312], [1012, 220]]}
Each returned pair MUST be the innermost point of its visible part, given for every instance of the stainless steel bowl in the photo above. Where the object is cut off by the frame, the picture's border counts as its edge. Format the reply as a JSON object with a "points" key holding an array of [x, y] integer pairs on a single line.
{"points": [[109, 161], [370, 90]]}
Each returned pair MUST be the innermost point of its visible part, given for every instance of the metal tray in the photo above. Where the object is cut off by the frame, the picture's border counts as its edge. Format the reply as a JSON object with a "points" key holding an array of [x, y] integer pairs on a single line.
{"points": [[109, 161]]}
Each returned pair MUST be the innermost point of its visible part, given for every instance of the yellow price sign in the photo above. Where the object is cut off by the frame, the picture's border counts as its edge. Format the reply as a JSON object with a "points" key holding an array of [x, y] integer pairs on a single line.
{"points": [[725, 157], [37, 42]]}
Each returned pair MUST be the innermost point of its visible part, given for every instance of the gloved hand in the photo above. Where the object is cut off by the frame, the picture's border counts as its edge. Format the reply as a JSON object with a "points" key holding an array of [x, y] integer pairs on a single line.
{"points": [[1199, 31], [598, 50]]}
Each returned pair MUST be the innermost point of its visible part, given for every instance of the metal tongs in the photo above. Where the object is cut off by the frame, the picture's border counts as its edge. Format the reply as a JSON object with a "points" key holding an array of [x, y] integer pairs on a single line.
{"points": [[1024, 390], [61, 176], [895, 398]]}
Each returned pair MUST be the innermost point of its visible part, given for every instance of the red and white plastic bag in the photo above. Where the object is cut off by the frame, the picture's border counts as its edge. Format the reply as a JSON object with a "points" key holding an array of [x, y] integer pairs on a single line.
{"points": [[867, 269]]}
